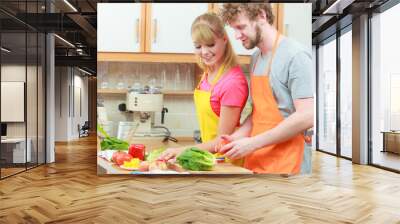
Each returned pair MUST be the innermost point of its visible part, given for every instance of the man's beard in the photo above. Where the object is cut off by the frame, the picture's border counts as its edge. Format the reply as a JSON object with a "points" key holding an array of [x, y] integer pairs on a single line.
{"points": [[254, 42]]}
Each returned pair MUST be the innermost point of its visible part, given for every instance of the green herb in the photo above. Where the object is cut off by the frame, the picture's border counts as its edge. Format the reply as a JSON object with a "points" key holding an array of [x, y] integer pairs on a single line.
{"points": [[101, 130], [111, 143]]}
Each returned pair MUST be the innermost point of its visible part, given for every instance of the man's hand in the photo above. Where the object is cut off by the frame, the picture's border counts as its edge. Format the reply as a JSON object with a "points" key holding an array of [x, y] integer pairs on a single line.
{"points": [[239, 148]]}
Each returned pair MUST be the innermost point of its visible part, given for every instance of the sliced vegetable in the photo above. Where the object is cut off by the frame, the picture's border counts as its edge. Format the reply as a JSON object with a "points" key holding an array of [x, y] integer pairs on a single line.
{"points": [[144, 166], [219, 156], [133, 163], [158, 165], [120, 157], [196, 159], [153, 155]]}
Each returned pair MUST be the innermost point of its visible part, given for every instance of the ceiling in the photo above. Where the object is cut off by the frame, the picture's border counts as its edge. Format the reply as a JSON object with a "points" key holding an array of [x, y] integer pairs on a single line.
{"points": [[76, 25], [76, 22], [329, 16]]}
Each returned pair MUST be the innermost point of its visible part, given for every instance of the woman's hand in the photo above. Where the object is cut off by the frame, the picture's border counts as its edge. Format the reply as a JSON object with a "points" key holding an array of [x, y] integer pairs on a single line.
{"points": [[239, 148], [171, 153], [221, 141]]}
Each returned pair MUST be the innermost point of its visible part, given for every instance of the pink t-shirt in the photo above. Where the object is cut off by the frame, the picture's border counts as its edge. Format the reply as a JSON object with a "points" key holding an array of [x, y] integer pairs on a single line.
{"points": [[230, 90]]}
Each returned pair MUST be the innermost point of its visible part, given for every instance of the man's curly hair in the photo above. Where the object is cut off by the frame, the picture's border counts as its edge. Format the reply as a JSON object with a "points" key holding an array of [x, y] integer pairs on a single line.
{"points": [[229, 11]]}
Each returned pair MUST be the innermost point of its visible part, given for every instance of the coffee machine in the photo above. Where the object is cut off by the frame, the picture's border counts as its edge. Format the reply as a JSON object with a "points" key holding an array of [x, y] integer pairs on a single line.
{"points": [[144, 104]]}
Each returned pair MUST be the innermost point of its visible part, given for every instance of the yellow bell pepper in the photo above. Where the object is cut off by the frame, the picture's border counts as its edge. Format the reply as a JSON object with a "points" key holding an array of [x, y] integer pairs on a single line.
{"points": [[133, 163]]}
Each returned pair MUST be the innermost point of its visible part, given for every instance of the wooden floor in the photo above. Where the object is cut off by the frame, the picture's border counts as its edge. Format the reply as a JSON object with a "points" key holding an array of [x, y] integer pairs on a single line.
{"points": [[69, 191], [10, 171], [386, 159], [5, 172]]}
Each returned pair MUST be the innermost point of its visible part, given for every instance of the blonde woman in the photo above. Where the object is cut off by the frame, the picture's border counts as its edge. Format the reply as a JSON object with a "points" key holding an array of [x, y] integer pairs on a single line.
{"points": [[222, 91]]}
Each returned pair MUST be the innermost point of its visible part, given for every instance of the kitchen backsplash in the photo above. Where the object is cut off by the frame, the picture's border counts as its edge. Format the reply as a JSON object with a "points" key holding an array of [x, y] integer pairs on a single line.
{"points": [[121, 75], [181, 117]]}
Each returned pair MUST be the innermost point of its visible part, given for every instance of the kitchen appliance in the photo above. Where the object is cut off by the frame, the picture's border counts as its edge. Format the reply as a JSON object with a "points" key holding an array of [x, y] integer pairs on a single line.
{"points": [[144, 103]]}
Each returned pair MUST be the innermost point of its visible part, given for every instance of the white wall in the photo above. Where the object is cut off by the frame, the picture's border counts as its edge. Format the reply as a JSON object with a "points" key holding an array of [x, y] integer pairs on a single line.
{"points": [[14, 73], [67, 115], [297, 22], [81, 94], [61, 103]]}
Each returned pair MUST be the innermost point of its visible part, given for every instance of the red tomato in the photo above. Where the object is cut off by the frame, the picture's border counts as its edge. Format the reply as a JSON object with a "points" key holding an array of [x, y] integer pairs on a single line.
{"points": [[120, 157], [115, 155], [123, 158], [137, 151]]}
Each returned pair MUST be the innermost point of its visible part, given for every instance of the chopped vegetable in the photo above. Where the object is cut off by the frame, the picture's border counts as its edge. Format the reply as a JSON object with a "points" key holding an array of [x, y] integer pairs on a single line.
{"points": [[196, 159], [133, 163], [153, 155], [144, 166], [120, 157], [158, 165]]}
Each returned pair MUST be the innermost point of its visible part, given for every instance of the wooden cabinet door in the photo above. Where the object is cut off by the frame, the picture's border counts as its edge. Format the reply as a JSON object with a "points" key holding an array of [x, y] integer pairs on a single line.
{"points": [[120, 27], [169, 26]]}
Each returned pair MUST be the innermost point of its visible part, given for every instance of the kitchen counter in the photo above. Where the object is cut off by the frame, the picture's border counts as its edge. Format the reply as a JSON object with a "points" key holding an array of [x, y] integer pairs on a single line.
{"points": [[106, 167]]}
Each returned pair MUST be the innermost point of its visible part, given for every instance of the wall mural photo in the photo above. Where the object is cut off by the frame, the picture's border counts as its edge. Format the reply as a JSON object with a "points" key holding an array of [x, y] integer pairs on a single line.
{"points": [[204, 88]]}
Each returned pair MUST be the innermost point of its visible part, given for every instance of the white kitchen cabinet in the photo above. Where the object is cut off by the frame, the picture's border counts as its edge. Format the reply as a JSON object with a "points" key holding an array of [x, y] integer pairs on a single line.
{"points": [[170, 26], [119, 27], [296, 22]]}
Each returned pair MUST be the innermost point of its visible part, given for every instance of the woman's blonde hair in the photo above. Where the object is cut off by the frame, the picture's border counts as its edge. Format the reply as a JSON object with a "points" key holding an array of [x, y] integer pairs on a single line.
{"points": [[204, 30]]}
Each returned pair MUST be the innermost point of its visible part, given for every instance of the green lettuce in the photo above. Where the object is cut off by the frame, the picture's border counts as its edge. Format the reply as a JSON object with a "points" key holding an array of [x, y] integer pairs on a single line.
{"points": [[196, 159]]}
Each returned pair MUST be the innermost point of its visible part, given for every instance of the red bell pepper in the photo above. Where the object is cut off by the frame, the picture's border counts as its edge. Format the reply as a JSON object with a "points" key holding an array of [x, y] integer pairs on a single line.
{"points": [[137, 151]]}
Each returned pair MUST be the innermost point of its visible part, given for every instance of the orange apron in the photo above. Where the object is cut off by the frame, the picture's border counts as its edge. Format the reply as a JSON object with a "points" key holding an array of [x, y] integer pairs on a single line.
{"points": [[282, 158]]}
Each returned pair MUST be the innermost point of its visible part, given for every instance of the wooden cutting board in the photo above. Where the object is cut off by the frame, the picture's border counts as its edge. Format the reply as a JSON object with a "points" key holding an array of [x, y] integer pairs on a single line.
{"points": [[225, 168], [106, 167]]}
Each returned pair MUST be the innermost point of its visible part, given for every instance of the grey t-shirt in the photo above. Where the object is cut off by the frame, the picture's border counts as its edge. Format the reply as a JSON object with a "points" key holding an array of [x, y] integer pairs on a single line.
{"points": [[291, 73]]}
